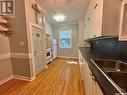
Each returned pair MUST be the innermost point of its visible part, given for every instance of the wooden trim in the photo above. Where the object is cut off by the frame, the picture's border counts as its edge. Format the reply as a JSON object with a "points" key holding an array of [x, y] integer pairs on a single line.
{"points": [[37, 26], [5, 56], [15, 55], [16, 77], [66, 57], [21, 55], [43, 10], [23, 78]]}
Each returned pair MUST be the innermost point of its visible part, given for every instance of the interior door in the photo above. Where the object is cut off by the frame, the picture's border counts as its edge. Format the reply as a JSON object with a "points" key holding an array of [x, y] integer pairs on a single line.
{"points": [[38, 49]]}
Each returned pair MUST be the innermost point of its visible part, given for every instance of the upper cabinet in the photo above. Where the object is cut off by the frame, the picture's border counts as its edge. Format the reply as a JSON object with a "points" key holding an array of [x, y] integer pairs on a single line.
{"points": [[102, 18], [123, 22]]}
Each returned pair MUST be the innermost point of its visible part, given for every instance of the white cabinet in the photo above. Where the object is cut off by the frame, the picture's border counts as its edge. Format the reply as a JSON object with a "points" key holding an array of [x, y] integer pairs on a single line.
{"points": [[91, 85], [93, 19], [102, 18], [123, 22]]}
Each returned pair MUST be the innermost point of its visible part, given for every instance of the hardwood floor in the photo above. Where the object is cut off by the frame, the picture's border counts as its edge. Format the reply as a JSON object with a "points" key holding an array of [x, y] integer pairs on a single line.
{"points": [[60, 78]]}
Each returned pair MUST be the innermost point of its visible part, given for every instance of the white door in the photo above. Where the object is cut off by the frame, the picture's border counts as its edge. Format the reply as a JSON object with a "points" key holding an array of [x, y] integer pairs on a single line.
{"points": [[38, 49]]}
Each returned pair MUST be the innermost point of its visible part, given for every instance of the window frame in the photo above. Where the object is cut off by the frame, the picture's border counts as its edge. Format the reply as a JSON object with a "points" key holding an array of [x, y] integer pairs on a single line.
{"points": [[60, 46]]}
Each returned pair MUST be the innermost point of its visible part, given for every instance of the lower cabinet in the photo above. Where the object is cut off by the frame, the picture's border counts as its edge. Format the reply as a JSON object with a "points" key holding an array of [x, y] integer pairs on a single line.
{"points": [[91, 85]]}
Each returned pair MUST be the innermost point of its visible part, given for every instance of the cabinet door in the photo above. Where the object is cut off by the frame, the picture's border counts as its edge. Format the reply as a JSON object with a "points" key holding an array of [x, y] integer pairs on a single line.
{"points": [[123, 21], [84, 71], [93, 19], [80, 57], [88, 82]]}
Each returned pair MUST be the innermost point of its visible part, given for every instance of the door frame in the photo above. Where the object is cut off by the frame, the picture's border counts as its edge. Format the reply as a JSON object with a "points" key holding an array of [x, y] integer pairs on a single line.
{"points": [[31, 49]]}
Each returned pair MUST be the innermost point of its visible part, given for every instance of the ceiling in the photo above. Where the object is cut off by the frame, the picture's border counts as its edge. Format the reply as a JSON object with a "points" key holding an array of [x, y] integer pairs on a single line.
{"points": [[72, 9]]}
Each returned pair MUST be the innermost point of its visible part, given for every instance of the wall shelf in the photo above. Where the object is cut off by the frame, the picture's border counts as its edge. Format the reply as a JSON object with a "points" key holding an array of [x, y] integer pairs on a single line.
{"points": [[4, 24], [5, 17], [5, 32]]}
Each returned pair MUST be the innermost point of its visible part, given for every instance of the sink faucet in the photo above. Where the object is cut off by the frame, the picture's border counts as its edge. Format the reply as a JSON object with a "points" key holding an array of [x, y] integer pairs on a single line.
{"points": [[118, 67]]}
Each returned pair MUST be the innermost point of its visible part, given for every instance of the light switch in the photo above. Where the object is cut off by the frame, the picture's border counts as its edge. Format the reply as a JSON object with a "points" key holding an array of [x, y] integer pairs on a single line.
{"points": [[21, 43]]}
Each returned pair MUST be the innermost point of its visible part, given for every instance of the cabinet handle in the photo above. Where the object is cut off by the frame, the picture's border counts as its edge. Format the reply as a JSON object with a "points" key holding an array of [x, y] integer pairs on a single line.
{"points": [[92, 76]]}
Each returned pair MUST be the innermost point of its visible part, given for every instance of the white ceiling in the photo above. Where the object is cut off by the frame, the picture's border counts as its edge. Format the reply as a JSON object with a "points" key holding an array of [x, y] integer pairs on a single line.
{"points": [[72, 9]]}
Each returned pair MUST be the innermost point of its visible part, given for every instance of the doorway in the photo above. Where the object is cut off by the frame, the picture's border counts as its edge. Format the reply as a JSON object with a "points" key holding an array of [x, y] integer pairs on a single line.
{"points": [[38, 48]]}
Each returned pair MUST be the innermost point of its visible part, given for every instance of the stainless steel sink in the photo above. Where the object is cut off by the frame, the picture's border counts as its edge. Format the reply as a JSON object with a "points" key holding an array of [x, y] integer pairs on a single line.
{"points": [[115, 70], [120, 78], [112, 65]]}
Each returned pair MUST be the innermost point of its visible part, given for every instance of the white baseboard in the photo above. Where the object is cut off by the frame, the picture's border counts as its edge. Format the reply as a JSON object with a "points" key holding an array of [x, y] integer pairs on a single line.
{"points": [[5, 56], [6, 79], [23, 78], [32, 78], [65, 57], [16, 77], [21, 55], [15, 55]]}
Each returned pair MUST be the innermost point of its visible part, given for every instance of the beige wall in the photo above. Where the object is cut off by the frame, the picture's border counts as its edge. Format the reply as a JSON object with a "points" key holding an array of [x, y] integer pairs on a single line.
{"points": [[21, 67], [18, 26], [5, 64], [5, 69], [5, 46], [72, 52], [81, 32]]}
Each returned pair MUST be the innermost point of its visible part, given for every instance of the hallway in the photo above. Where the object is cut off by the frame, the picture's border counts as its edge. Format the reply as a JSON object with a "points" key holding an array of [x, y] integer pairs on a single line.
{"points": [[61, 78]]}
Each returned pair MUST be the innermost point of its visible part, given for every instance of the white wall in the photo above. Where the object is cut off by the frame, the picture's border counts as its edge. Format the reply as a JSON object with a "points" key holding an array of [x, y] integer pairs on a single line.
{"points": [[81, 32], [49, 34], [48, 28]]}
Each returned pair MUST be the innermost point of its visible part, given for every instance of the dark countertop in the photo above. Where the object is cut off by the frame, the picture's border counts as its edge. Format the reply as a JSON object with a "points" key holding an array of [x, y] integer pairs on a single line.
{"points": [[104, 83]]}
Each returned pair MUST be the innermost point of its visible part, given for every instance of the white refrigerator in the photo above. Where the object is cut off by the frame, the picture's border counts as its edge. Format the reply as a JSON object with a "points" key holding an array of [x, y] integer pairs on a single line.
{"points": [[54, 48]]}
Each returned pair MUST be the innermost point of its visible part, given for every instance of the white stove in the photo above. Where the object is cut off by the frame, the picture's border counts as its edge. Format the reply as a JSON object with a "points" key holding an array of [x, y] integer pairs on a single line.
{"points": [[48, 55]]}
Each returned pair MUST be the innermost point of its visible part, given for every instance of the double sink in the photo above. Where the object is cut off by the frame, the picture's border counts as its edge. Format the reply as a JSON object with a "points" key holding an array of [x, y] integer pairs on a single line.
{"points": [[115, 70]]}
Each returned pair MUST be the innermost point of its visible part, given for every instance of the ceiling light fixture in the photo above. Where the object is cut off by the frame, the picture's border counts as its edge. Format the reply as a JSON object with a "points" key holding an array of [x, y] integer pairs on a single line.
{"points": [[59, 17]]}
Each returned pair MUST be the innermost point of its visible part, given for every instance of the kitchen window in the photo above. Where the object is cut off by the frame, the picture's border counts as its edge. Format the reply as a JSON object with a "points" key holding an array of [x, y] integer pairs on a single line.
{"points": [[65, 38]]}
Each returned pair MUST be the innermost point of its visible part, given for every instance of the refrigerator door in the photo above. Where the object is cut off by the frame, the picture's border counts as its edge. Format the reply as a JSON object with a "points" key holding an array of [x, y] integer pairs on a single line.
{"points": [[54, 48], [54, 42], [54, 52]]}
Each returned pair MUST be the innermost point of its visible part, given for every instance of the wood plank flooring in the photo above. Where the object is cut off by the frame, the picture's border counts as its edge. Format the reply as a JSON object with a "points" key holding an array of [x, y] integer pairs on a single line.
{"points": [[61, 78]]}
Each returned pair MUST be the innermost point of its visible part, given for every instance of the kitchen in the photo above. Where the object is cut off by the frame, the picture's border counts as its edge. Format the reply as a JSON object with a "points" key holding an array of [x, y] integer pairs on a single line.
{"points": [[54, 47]]}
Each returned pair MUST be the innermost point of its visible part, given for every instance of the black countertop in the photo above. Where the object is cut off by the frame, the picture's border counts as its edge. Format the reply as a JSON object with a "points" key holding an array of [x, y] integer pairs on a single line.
{"points": [[104, 83]]}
